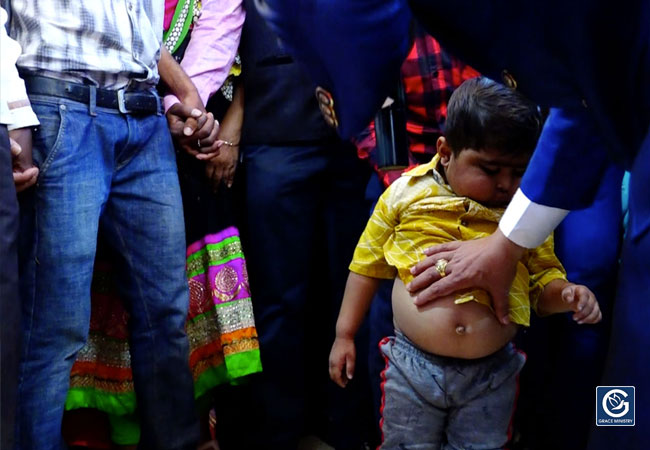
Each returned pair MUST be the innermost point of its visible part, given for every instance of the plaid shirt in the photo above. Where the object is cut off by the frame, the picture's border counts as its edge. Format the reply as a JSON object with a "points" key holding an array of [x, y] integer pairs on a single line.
{"points": [[106, 42], [429, 76]]}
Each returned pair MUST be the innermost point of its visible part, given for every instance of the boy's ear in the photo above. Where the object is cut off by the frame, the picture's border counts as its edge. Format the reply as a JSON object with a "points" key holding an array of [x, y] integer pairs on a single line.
{"points": [[442, 146]]}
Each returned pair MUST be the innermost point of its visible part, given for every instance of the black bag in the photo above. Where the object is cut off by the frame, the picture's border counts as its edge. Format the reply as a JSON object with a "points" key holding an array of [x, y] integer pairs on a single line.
{"points": [[390, 130]]}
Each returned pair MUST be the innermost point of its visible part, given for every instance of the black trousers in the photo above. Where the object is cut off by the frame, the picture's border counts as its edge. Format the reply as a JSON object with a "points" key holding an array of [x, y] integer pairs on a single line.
{"points": [[9, 304], [305, 210]]}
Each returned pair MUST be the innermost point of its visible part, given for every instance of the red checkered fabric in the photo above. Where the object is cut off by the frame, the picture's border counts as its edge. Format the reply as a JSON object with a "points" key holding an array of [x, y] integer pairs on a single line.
{"points": [[429, 76]]}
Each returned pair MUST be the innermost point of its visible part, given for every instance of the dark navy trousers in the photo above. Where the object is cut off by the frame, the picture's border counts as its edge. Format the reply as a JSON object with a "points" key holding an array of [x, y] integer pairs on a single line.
{"points": [[9, 305], [566, 360], [628, 358], [304, 212]]}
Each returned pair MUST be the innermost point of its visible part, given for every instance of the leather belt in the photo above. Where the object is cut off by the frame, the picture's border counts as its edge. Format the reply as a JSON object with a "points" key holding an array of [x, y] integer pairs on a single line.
{"points": [[126, 102]]}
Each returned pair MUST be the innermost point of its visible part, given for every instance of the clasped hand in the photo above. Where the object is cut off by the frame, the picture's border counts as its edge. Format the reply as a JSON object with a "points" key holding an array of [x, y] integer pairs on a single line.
{"points": [[194, 130]]}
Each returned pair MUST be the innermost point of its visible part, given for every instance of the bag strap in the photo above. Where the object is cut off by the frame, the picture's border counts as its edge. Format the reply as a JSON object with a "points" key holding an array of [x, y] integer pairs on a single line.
{"points": [[180, 25]]}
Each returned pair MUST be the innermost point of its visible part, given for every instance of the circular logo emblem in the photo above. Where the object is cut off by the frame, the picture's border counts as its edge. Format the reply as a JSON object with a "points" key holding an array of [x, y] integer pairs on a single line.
{"points": [[614, 403]]}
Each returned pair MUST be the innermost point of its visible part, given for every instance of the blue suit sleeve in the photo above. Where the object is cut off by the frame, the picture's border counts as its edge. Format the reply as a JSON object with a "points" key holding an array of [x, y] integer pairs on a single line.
{"points": [[569, 161], [352, 48]]}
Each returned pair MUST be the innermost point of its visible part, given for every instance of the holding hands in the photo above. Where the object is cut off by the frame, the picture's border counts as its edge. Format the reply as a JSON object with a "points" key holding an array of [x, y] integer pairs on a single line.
{"points": [[194, 129]]}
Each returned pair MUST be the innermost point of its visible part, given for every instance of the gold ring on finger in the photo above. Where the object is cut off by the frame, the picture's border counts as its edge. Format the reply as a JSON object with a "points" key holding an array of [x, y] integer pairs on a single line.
{"points": [[441, 265]]}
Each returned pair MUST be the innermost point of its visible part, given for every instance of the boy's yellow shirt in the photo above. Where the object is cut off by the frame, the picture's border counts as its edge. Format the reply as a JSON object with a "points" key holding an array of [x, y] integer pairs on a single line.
{"points": [[419, 211]]}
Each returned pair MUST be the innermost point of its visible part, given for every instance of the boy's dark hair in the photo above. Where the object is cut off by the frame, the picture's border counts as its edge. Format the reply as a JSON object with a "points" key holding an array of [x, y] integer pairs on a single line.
{"points": [[483, 114]]}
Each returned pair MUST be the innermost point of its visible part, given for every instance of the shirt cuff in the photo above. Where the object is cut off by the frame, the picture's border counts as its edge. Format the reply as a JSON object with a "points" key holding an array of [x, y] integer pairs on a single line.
{"points": [[22, 117], [169, 101], [527, 223]]}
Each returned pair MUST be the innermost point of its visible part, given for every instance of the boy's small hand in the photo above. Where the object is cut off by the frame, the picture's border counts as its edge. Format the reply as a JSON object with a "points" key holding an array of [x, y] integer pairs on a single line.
{"points": [[342, 359], [583, 302]]}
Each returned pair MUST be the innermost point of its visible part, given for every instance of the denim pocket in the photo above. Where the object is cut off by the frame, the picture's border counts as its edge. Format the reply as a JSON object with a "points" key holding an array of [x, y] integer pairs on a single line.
{"points": [[46, 139]]}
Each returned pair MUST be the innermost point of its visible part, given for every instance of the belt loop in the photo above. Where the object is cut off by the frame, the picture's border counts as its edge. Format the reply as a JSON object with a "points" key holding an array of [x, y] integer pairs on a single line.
{"points": [[92, 100]]}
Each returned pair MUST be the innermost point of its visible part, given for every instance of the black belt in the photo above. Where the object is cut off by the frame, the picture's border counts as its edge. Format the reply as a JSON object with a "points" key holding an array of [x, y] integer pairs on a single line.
{"points": [[126, 102]]}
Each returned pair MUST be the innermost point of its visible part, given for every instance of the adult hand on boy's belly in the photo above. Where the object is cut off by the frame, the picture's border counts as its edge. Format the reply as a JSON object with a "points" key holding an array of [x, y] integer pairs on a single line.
{"points": [[488, 263], [444, 327]]}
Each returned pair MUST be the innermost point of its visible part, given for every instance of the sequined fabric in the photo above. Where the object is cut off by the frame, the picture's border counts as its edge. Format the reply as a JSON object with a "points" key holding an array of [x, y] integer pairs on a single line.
{"points": [[220, 328]]}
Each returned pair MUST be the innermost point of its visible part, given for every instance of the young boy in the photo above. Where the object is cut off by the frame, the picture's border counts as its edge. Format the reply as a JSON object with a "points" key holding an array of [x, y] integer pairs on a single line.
{"points": [[451, 371]]}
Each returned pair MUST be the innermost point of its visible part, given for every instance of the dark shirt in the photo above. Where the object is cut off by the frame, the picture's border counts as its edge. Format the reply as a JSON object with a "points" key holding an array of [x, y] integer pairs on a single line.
{"points": [[280, 106]]}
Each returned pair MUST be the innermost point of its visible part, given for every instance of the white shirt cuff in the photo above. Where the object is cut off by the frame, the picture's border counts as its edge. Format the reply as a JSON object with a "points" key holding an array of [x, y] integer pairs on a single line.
{"points": [[527, 223], [22, 117]]}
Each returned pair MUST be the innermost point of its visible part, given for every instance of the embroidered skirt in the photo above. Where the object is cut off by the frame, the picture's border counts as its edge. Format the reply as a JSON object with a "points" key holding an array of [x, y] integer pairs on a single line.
{"points": [[220, 327]]}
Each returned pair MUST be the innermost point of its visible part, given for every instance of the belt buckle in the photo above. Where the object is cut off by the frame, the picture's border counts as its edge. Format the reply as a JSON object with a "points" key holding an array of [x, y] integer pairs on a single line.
{"points": [[121, 105]]}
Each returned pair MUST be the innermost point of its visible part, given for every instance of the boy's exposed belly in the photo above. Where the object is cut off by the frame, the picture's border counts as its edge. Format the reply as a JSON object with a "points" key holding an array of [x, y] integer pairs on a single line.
{"points": [[441, 327]]}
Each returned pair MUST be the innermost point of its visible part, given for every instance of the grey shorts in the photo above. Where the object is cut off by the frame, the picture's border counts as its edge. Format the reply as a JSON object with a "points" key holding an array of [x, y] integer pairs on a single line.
{"points": [[434, 402]]}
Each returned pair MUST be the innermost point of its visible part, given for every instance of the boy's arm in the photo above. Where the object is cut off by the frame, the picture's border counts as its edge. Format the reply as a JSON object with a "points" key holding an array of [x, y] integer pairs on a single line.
{"points": [[551, 293], [359, 291], [562, 296]]}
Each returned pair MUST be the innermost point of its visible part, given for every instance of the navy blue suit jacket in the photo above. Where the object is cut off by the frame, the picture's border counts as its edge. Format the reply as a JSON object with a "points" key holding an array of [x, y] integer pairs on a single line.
{"points": [[588, 60]]}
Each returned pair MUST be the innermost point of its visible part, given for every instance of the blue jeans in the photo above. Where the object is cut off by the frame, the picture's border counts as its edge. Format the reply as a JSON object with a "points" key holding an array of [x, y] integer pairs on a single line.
{"points": [[435, 402], [117, 171]]}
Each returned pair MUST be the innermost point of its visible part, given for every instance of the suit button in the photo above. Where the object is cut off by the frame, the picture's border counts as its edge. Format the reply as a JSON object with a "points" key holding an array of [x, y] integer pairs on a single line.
{"points": [[508, 79], [584, 103], [331, 121], [463, 223], [326, 105], [324, 97]]}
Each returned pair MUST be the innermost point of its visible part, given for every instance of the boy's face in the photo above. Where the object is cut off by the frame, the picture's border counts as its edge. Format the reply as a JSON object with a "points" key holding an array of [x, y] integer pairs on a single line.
{"points": [[486, 176]]}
